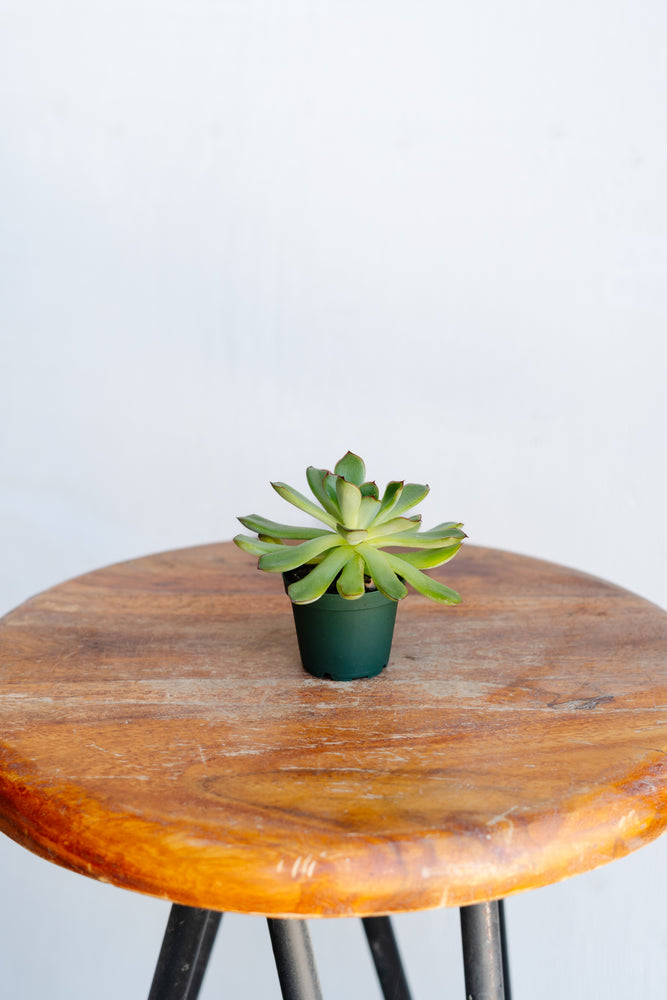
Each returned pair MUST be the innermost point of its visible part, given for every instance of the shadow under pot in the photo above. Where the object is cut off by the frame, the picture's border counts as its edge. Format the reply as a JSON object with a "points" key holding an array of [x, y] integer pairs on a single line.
{"points": [[344, 640]]}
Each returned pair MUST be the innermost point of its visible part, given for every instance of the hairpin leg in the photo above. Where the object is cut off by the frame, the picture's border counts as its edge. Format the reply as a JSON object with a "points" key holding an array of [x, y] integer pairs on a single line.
{"points": [[185, 952], [484, 955], [503, 945], [294, 960], [387, 960]]}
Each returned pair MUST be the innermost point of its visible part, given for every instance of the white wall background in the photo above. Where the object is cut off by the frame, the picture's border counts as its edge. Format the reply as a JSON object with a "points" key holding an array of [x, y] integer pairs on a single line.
{"points": [[240, 238]]}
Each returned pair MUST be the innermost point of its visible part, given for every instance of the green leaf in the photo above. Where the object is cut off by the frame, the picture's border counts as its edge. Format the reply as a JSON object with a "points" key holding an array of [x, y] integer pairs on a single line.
{"points": [[352, 468], [254, 546], [291, 556], [352, 535], [395, 525], [433, 589], [448, 529], [318, 580], [446, 526], [330, 487], [429, 558], [349, 501], [303, 503], [368, 510], [263, 526], [350, 583], [411, 494], [405, 539], [316, 480], [370, 490], [380, 571], [390, 497]]}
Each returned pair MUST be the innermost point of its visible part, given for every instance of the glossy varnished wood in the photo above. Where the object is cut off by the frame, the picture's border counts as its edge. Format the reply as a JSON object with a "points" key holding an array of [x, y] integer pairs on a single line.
{"points": [[157, 731]]}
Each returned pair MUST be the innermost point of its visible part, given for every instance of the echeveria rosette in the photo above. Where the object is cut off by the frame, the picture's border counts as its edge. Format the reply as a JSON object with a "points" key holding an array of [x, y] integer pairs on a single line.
{"points": [[360, 525]]}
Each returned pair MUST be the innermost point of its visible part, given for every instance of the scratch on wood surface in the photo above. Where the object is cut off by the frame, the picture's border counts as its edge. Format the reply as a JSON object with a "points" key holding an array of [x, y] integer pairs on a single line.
{"points": [[23, 698], [115, 777], [579, 704], [503, 818], [304, 866], [102, 750]]}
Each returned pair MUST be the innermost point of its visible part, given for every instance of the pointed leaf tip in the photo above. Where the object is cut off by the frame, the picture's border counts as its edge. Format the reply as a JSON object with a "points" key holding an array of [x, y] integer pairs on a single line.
{"points": [[352, 468]]}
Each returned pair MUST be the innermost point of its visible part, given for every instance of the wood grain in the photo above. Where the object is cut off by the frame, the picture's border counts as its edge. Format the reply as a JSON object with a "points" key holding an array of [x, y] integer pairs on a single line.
{"points": [[158, 732]]}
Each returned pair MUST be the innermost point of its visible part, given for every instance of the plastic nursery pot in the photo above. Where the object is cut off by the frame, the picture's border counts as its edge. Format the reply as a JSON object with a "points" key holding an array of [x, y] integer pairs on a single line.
{"points": [[344, 640]]}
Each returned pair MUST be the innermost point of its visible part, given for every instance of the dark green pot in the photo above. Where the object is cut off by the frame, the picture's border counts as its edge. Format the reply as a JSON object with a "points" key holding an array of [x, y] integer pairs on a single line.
{"points": [[345, 640]]}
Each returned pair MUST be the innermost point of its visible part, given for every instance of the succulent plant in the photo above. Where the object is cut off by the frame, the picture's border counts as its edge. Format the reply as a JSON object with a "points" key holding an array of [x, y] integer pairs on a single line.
{"points": [[360, 526]]}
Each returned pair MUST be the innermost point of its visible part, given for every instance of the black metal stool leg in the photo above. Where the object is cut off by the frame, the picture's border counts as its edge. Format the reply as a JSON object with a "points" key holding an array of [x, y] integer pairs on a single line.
{"points": [[483, 952], [387, 960], [294, 960], [184, 955], [503, 945]]}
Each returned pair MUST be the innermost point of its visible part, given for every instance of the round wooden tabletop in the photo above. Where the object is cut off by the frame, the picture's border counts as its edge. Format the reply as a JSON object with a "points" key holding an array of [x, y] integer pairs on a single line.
{"points": [[157, 731]]}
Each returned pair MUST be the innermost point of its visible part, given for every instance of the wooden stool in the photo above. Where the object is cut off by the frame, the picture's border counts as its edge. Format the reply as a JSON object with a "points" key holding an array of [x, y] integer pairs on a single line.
{"points": [[159, 733]]}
